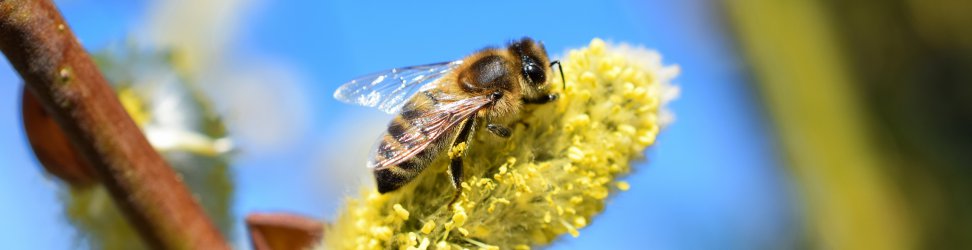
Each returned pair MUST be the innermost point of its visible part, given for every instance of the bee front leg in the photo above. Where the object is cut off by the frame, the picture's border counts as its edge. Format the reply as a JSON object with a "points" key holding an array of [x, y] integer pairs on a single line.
{"points": [[542, 99], [499, 130]]}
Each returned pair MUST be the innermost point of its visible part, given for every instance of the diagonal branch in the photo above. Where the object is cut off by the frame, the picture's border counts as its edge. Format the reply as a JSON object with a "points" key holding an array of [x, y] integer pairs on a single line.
{"points": [[57, 70]]}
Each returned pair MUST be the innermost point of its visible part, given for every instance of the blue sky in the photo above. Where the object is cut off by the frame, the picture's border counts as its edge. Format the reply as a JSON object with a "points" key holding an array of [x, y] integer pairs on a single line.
{"points": [[713, 179]]}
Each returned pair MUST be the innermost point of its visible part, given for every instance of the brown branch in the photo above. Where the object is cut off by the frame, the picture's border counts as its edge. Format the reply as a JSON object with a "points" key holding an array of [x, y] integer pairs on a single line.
{"points": [[283, 231], [57, 70]]}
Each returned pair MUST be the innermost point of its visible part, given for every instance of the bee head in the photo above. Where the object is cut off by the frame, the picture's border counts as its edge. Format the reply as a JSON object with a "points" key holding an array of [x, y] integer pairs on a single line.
{"points": [[533, 60]]}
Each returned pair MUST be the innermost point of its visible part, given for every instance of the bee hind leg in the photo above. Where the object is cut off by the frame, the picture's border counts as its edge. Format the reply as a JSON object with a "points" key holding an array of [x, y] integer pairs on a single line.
{"points": [[455, 169], [455, 164]]}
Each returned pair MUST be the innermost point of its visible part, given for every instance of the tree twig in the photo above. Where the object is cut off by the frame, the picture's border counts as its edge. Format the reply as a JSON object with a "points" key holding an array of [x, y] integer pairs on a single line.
{"points": [[56, 69]]}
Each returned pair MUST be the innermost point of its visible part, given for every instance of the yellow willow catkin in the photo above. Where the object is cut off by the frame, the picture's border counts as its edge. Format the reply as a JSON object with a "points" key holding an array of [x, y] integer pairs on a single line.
{"points": [[550, 178]]}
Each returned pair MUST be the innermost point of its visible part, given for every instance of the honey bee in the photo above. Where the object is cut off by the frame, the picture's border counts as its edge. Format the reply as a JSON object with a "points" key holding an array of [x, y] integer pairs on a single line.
{"points": [[441, 104]]}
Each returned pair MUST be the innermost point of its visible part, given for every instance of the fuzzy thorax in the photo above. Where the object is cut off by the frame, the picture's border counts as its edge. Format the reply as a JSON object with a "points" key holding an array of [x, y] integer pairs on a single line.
{"points": [[550, 178]]}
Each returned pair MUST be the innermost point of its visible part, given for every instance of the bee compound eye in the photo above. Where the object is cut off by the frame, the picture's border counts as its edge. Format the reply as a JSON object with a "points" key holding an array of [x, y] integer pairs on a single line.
{"points": [[497, 95], [534, 73]]}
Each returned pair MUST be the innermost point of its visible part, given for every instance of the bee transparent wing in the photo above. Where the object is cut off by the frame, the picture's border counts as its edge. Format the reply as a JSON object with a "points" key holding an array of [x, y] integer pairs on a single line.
{"points": [[389, 90], [426, 129]]}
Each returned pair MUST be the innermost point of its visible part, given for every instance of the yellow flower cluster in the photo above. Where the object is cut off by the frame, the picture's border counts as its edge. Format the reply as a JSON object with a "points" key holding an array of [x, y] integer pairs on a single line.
{"points": [[550, 178]]}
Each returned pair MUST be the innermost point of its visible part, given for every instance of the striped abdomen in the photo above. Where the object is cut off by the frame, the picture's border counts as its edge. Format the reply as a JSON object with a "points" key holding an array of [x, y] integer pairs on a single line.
{"points": [[403, 132]]}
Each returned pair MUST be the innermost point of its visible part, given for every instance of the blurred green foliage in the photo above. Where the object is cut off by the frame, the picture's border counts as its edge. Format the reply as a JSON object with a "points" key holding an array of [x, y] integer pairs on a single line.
{"points": [[873, 100]]}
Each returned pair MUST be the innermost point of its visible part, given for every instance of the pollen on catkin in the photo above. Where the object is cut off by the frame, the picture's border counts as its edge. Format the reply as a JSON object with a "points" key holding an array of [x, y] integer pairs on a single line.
{"points": [[550, 178]]}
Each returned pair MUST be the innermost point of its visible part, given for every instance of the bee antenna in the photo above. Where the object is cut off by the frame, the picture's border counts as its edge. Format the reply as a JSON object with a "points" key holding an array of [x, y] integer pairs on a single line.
{"points": [[561, 68]]}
